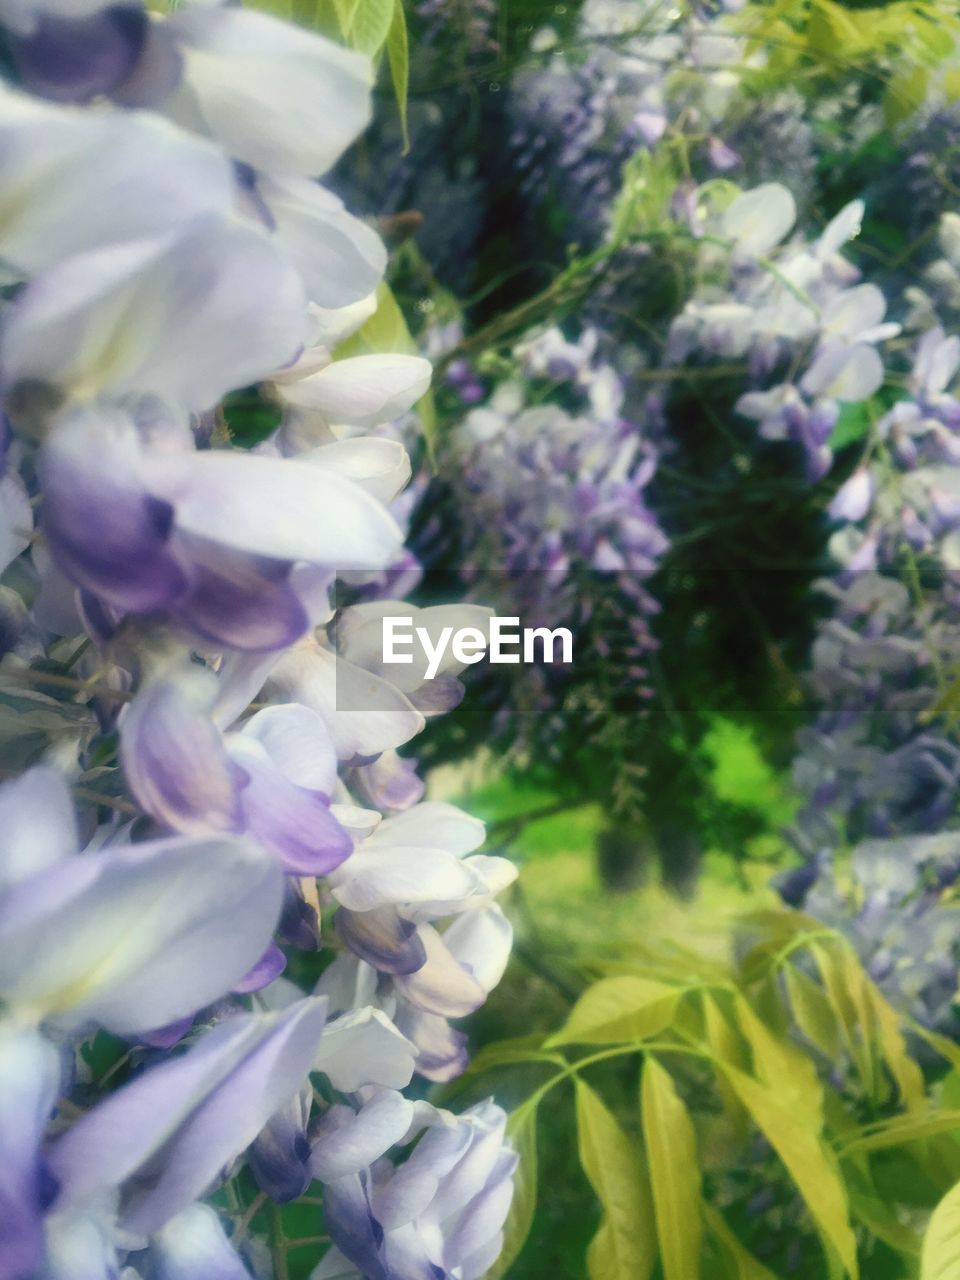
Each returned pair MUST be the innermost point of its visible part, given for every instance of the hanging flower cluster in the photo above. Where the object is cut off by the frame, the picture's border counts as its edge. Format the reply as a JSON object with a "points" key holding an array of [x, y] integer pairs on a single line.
{"points": [[880, 765], [167, 655], [548, 479], [637, 76], [797, 314]]}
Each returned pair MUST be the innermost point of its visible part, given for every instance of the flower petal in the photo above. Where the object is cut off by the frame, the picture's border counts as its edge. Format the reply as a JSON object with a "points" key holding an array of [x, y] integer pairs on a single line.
{"points": [[186, 319], [194, 1246], [277, 97], [164, 1137], [382, 938], [341, 259], [298, 742], [294, 823], [16, 519], [137, 937], [443, 985], [433, 824], [277, 507], [174, 758], [91, 464], [362, 391], [348, 1141], [381, 467], [844, 373], [384, 875], [363, 1047], [365, 714], [29, 1085], [760, 218], [124, 177], [38, 824]]}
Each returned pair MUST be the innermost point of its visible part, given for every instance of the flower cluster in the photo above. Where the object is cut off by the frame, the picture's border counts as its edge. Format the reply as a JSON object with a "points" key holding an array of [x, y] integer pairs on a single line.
{"points": [[638, 76], [204, 762], [796, 314], [553, 525], [879, 767]]}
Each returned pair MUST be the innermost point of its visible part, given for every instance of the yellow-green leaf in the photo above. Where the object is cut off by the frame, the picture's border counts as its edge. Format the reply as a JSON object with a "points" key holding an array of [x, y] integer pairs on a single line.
{"points": [[345, 11], [807, 1160], [945, 1047], [671, 1148], [507, 1053], [778, 1063], [616, 1010], [398, 56], [385, 330], [811, 1011], [745, 1265], [522, 1130], [893, 1047], [836, 964], [881, 1220], [370, 24], [623, 1248], [726, 1043], [905, 94], [940, 1258], [899, 1130], [325, 16]]}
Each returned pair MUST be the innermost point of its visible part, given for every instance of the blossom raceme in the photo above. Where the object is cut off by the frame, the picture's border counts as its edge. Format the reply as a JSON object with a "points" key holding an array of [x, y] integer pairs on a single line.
{"points": [[878, 766], [440, 1211], [189, 817]]}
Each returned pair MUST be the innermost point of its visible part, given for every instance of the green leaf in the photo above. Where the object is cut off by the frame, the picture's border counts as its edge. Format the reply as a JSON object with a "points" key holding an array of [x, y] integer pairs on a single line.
{"points": [[616, 1010], [369, 25], [745, 1266], [940, 1258], [905, 93], [853, 423], [522, 1130], [623, 1248], [671, 1148], [808, 1162], [345, 11], [398, 56], [507, 1053], [945, 1047], [881, 1220], [324, 16], [385, 330]]}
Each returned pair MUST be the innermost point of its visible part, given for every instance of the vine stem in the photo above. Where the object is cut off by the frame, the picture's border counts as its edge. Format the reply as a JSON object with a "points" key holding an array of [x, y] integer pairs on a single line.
{"points": [[278, 1242], [243, 1226], [27, 676]]}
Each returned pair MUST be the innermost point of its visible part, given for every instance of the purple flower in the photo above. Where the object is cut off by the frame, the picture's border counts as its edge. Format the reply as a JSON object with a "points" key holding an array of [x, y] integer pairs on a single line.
{"points": [[439, 1212]]}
